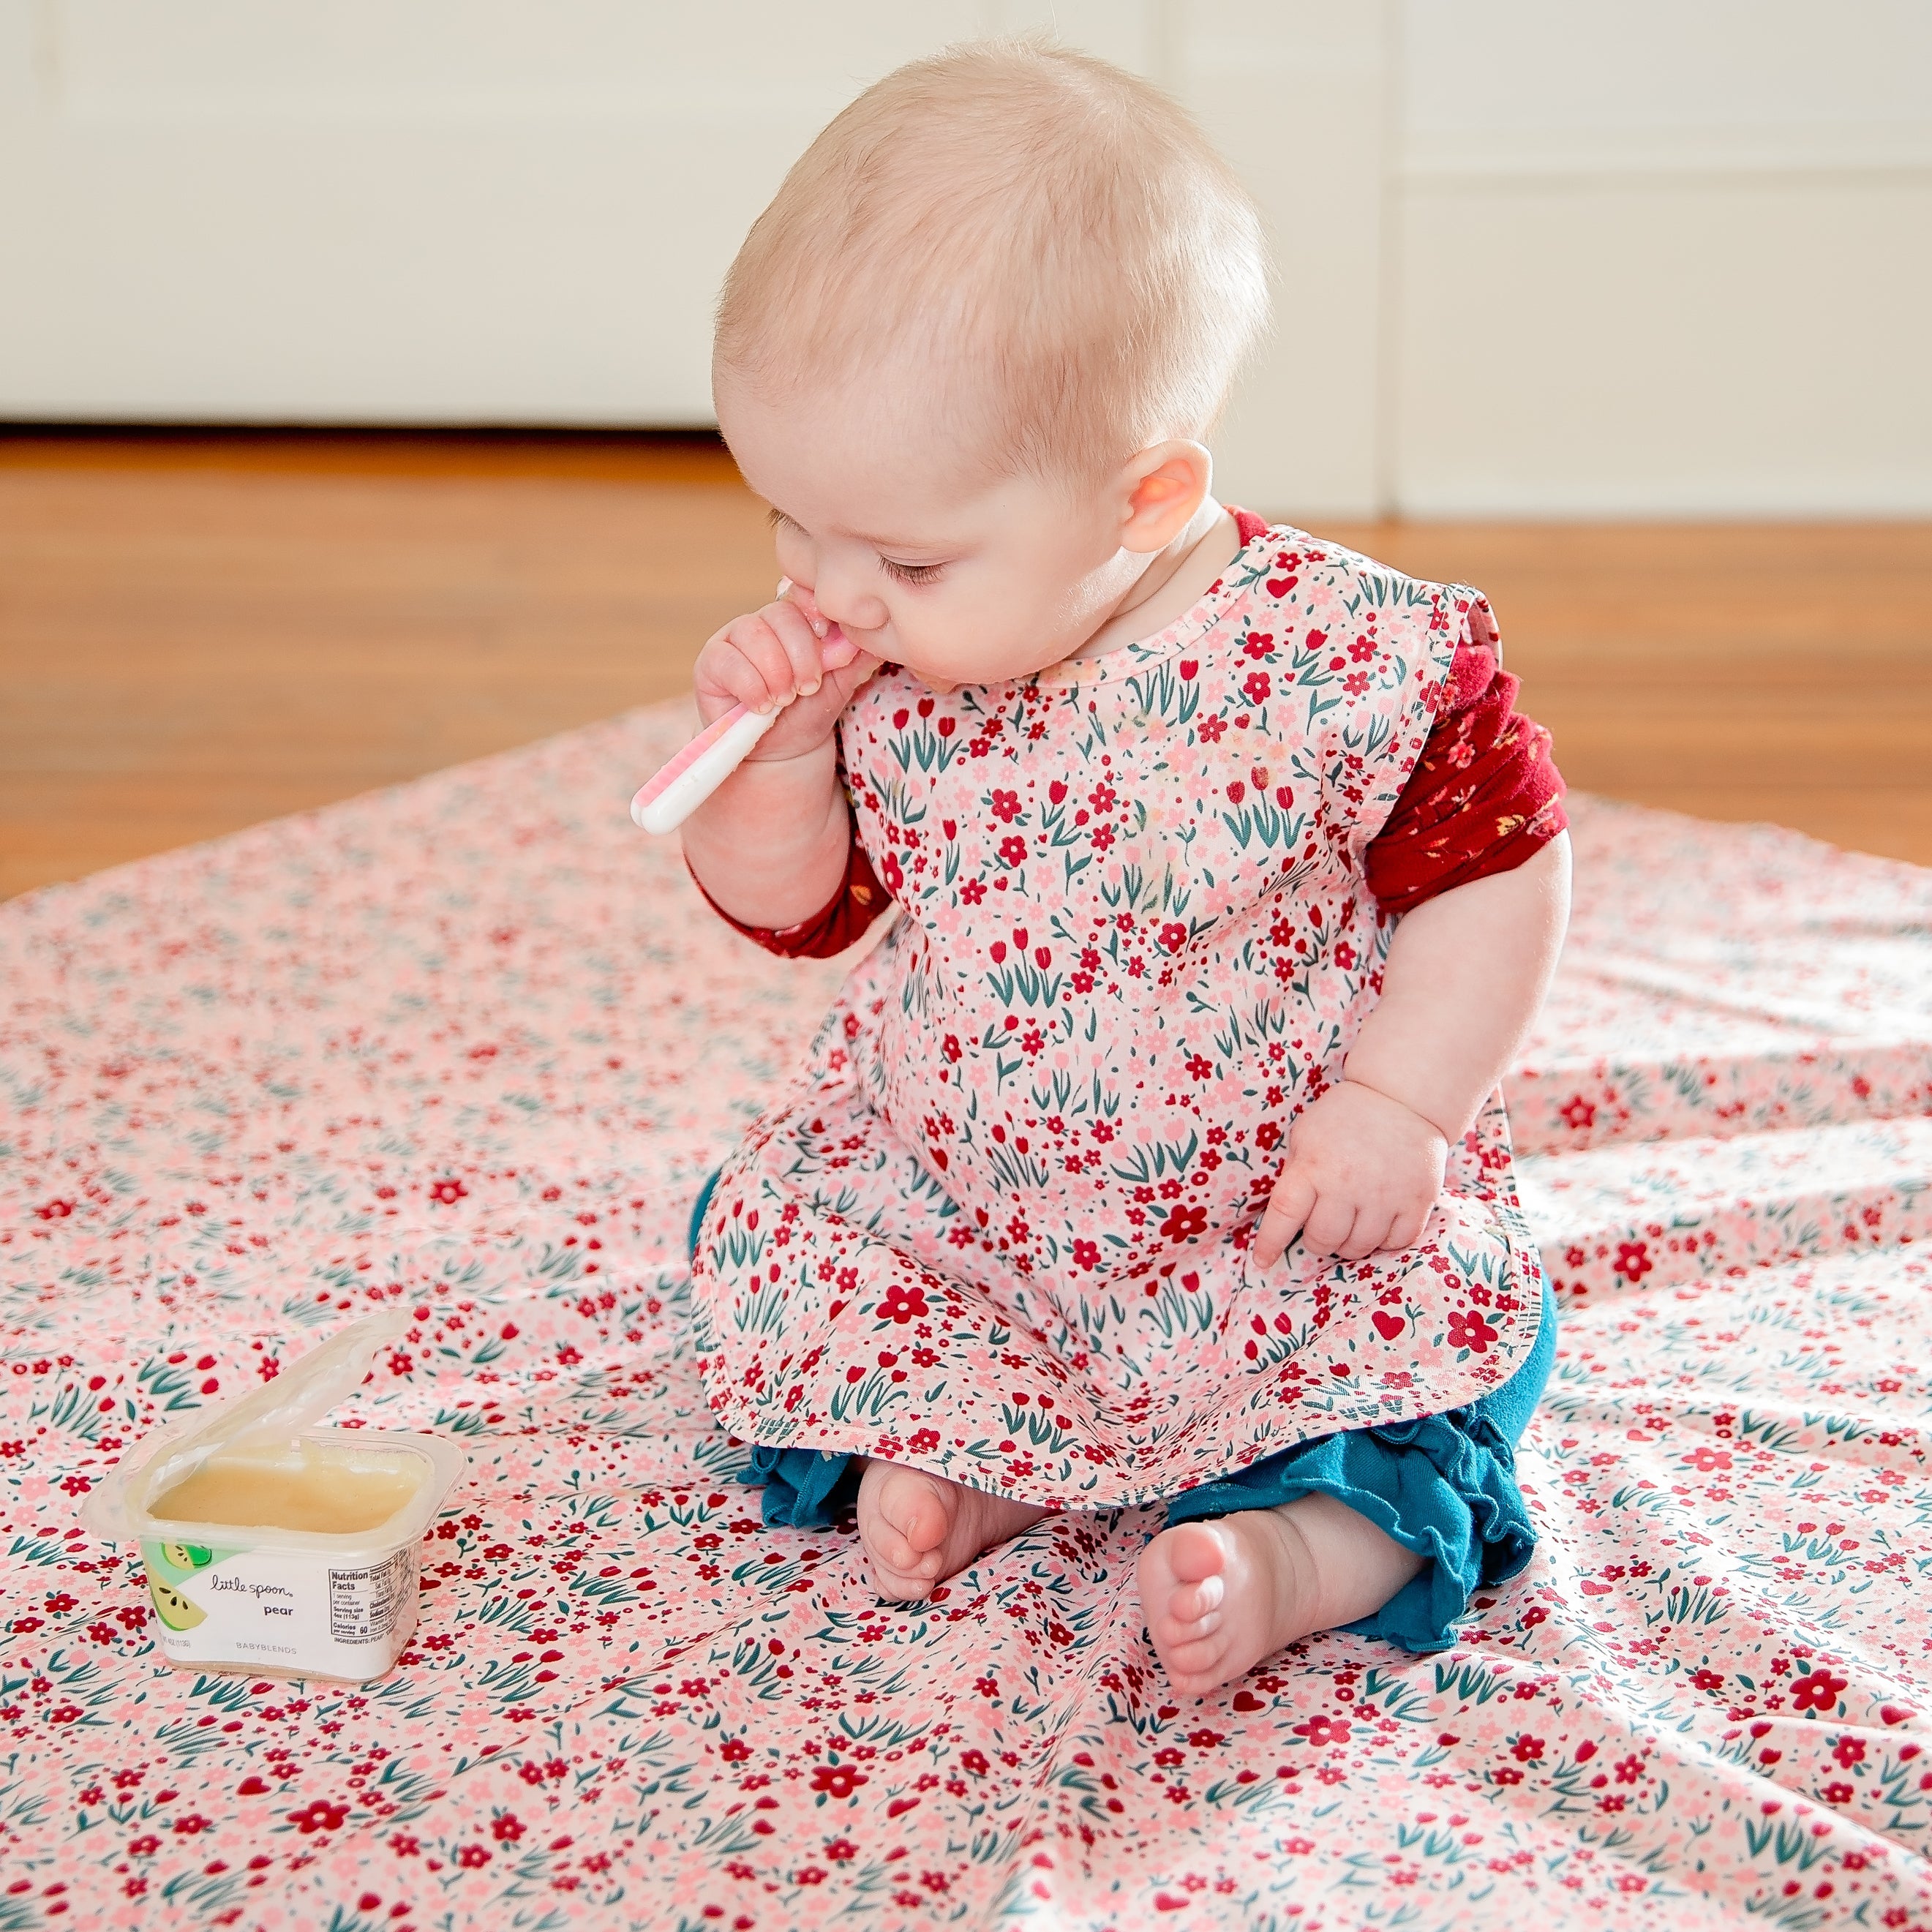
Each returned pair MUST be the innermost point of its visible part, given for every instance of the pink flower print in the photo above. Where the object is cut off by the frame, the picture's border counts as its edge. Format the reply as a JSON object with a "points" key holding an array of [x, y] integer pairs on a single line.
{"points": [[1255, 686], [1707, 1459], [1470, 1331], [902, 1304], [1006, 806]]}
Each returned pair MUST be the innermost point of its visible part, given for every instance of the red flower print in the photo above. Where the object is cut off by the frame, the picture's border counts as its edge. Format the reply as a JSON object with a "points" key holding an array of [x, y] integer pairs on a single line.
{"points": [[1634, 1261], [472, 1857], [1259, 643], [902, 1303], [1578, 1113], [1706, 1459], [838, 1781], [1012, 850], [1324, 1730], [1183, 1222], [1256, 687], [1355, 683], [1362, 649], [58, 1211], [1849, 1751], [1526, 1749], [322, 1816], [890, 876], [1236, 791], [1190, 669], [1006, 806], [1470, 1331], [448, 1191], [1174, 936], [950, 1046], [1817, 1691], [1087, 1254]]}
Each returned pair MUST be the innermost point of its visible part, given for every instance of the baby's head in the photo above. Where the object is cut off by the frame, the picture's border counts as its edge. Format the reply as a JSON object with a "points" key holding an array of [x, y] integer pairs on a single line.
{"points": [[970, 352]]}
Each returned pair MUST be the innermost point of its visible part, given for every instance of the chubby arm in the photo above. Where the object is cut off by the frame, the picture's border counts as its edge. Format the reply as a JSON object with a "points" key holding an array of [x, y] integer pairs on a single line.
{"points": [[769, 845], [1465, 974]]}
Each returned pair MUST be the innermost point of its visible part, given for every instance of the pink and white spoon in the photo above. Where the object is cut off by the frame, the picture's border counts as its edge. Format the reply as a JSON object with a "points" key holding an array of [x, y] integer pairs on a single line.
{"points": [[666, 800]]}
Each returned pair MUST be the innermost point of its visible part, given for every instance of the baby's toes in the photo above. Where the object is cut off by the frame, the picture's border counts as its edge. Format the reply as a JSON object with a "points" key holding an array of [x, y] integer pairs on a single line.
{"points": [[1194, 1667], [917, 1511], [1191, 1602]]}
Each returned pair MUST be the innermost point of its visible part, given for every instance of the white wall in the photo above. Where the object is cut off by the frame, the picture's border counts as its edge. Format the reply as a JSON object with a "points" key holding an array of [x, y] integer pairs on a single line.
{"points": [[1536, 257]]}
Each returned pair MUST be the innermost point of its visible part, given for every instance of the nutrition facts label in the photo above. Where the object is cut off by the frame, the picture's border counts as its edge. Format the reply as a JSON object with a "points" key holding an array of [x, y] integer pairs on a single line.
{"points": [[363, 1603]]}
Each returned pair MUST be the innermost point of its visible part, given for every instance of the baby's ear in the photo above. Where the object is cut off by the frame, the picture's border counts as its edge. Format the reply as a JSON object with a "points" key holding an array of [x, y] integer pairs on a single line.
{"points": [[1166, 484]]}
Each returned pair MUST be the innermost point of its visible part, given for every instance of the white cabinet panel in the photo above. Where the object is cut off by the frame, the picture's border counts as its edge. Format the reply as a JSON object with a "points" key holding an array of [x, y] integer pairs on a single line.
{"points": [[1744, 347], [457, 210], [1532, 257]]}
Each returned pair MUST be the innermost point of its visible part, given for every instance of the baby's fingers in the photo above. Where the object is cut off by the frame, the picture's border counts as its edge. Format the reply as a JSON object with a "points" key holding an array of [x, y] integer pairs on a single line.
{"points": [[1287, 1210]]}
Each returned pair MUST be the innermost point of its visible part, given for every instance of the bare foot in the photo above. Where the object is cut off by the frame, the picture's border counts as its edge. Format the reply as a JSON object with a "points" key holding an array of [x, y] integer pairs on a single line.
{"points": [[1220, 1595], [918, 1528]]}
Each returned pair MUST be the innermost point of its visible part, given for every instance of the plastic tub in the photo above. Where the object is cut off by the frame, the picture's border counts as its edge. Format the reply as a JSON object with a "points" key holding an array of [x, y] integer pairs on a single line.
{"points": [[275, 1547]]}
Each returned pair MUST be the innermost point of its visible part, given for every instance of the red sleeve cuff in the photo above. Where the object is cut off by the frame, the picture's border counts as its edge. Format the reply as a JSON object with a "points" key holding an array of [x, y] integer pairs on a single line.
{"points": [[858, 901], [1484, 795]]}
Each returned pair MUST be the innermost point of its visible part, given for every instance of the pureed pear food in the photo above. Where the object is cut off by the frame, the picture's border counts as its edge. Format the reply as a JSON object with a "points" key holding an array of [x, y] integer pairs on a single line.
{"points": [[274, 1547]]}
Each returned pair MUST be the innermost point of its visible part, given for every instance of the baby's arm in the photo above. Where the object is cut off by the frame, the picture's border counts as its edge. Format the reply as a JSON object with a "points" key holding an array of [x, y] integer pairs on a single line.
{"points": [[769, 845], [1465, 974]]}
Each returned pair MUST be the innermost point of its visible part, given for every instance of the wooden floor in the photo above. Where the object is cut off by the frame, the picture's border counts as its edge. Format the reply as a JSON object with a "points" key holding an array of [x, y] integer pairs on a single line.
{"points": [[197, 632]]}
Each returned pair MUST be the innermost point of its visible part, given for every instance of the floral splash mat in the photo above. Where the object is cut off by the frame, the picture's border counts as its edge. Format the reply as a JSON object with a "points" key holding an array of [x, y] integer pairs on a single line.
{"points": [[466, 1048]]}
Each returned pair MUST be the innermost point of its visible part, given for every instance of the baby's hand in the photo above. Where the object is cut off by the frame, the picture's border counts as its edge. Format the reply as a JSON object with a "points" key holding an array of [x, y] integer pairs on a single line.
{"points": [[1362, 1172], [778, 657]]}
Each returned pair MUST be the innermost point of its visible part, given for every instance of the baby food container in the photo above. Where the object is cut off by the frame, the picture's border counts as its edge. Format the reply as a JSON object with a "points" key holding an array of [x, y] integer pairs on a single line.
{"points": [[275, 1547]]}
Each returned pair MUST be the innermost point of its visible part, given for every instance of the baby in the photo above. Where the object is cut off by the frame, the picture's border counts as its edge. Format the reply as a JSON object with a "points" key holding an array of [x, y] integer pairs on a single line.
{"points": [[1155, 1154]]}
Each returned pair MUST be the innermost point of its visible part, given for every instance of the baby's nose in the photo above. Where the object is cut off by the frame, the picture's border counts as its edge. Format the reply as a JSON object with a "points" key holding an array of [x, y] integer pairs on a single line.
{"points": [[848, 606]]}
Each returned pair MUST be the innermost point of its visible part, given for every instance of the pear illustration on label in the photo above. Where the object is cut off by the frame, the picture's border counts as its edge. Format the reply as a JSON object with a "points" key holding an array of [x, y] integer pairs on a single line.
{"points": [[175, 1609], [187, 1555]]}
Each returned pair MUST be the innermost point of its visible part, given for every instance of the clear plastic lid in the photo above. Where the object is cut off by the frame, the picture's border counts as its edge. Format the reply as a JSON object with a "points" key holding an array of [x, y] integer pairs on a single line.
{"points": [[276, 1419]]}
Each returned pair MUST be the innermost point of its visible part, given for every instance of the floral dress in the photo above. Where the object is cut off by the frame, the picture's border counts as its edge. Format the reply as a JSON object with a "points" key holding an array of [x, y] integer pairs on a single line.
{"points": [[999, 1228]]}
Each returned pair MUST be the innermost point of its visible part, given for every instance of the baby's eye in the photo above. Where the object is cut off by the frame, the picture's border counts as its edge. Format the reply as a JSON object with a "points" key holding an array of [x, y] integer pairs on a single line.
{"points": [[910, 573]]}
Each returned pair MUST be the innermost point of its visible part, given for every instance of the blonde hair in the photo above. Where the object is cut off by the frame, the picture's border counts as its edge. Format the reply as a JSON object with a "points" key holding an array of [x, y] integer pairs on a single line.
{"points": [[1055, 237]]}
